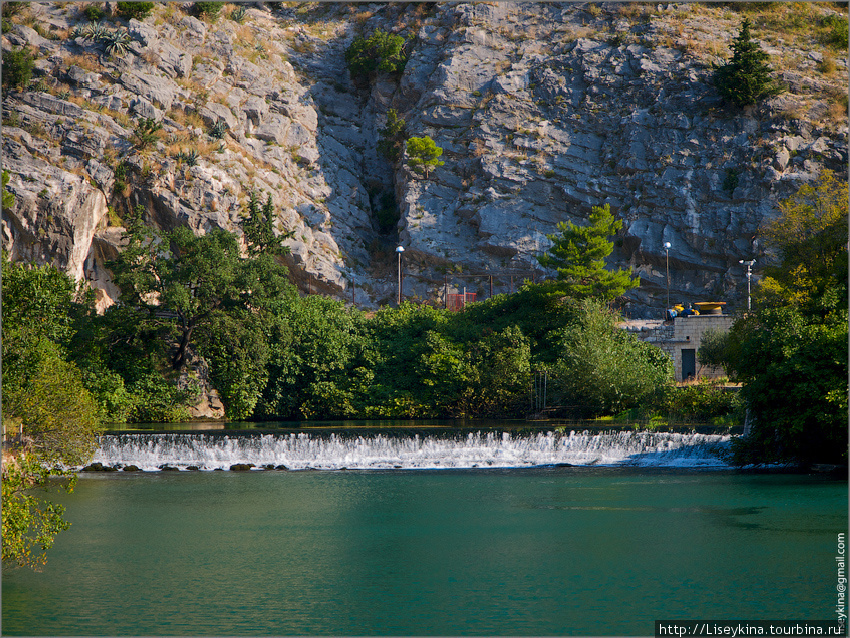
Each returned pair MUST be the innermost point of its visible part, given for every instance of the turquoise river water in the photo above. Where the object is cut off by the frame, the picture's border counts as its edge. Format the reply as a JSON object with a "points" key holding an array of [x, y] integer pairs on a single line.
{"points": [[528, 551]]}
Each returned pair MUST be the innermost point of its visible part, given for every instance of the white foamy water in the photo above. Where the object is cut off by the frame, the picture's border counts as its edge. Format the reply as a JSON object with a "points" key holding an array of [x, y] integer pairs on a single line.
{"points": [[302, 451]]}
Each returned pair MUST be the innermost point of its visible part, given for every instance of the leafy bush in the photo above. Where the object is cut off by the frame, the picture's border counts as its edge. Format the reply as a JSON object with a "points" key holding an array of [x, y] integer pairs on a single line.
{"points": [[392, 136], [381, 52], [602, 369], [208, 10], [836, 31], [137, 10], [704, 401], [94, 13], [17, 68]]}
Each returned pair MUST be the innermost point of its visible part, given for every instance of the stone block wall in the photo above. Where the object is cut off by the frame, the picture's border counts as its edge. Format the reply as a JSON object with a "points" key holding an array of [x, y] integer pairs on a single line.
{"points": [[687, 335]]}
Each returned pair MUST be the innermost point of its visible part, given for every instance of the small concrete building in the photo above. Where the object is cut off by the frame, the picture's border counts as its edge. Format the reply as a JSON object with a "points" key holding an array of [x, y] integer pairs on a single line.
{"points": [[681, 340]]}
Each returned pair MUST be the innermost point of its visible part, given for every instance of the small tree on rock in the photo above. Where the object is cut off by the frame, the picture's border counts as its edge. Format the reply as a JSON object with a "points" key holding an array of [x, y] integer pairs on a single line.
{"points": [[423, 154], [578, 254], [745, 79], [392, 136]]}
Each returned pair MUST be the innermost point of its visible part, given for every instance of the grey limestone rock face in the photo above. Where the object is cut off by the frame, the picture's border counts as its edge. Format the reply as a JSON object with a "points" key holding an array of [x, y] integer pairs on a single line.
{"points": [[542, 110]]}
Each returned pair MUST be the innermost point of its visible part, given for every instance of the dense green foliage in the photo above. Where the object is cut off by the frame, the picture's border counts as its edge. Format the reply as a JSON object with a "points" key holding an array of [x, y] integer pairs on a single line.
{"points": [[8, 196], [578, 254], [18, 65], [381, 52], [603, 369], [208, 10], [44, 395], [794, 369], [137, 10], [705, 401], [791, 352], [745, 78], [95, 13], [810, 239], [423, 154], [189, 288], [30, 523], [392, 136]]}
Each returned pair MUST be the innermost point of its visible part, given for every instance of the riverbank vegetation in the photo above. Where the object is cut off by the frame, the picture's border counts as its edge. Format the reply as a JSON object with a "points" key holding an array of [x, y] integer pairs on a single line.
{"points": [[790, 352]]}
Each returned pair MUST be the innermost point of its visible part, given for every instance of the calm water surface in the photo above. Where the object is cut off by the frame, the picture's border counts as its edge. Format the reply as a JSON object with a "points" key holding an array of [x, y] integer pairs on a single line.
{"points": [[587, 551]]}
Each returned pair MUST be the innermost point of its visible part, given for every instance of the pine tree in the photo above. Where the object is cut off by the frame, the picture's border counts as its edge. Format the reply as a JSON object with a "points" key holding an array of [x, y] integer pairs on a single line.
{"points": [[745, 79], [578, 254], [423, 154]]}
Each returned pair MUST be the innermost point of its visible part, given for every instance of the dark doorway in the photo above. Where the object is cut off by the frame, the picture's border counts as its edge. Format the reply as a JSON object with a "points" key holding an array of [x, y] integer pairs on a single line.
{"points": [[689, 364]]}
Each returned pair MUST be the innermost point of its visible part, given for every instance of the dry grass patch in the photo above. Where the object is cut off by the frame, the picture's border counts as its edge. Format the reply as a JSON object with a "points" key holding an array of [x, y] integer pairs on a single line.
{"points": [[87, 61]]}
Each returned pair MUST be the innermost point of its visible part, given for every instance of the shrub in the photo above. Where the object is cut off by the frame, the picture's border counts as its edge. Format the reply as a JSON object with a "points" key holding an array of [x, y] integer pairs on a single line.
{"points": [[381, 52], [836, 31], [137, 10], [704, 401], [145, 132], [392, 136], [17, 68], [94, 13], [208, 10]]}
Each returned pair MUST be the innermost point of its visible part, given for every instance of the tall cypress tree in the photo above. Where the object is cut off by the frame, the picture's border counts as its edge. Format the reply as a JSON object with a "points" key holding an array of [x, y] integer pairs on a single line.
{"points": [[745, 79]]}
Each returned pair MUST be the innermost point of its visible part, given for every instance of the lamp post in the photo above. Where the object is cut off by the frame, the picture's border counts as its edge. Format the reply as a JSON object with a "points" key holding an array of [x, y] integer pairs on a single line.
{"points": [[399, 250], [749, 265], [667, 247]]}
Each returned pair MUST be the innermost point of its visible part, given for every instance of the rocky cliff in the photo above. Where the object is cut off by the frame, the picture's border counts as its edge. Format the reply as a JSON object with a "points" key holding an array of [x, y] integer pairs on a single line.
{"points": [[543, 110]]}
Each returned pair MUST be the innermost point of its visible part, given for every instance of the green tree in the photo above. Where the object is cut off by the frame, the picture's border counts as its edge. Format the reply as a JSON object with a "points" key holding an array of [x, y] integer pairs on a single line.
{"points": [[810, 239], [193, 286], [18, 65], [578, 254], [258, 227], [320, 360], [423, 154], [30, 523], [392, 136], [8, 196], [380, 52], [602, 369], [791, 352], [44, 395], [137, 10], [745, 78], [794, 374]]}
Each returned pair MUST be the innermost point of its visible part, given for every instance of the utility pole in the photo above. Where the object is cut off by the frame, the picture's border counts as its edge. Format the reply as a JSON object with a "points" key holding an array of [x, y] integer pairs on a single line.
{"points": [[667, 246], [749, 265], [399, 250]]}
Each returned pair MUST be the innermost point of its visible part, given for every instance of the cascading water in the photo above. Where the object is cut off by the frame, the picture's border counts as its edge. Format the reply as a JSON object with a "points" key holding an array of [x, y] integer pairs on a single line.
{"points": [[300, 451]]}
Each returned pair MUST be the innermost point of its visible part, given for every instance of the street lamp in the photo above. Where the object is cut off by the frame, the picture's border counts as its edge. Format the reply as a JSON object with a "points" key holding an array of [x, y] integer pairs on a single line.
{"points": [[399, 250], [667, 247], [749, 265]]}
